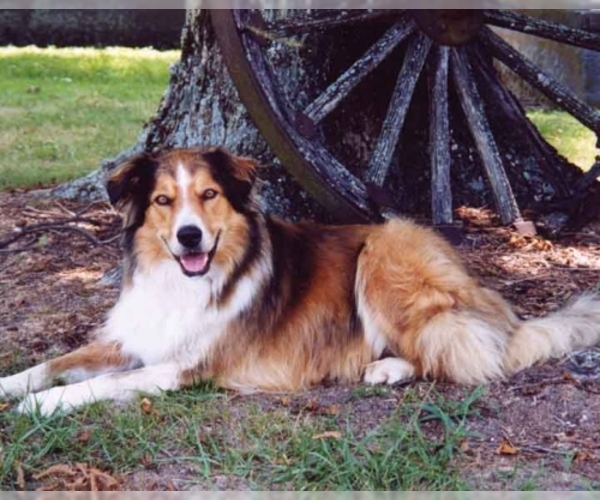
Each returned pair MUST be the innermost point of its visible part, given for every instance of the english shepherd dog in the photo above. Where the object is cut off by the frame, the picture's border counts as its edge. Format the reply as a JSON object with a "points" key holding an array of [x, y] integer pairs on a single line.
{"points": [[215, 289]]}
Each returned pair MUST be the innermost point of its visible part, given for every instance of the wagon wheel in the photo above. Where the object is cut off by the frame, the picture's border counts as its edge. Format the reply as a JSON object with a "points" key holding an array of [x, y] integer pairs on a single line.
{"points": [[450, 46]]}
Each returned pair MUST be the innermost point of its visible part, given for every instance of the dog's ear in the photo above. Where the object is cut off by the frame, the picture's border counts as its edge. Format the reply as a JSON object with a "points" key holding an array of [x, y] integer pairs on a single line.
{"points": [[236, 174], [130, 185], [129, 178]]}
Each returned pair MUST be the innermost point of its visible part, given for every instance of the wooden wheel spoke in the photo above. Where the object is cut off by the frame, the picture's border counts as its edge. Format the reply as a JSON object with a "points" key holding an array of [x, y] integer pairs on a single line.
{"points": [[542, 152], [337, 177], [439, 139], [472, 105], [405, 84], [328, 100], [552, 89], [542, 28], [305, 24]]}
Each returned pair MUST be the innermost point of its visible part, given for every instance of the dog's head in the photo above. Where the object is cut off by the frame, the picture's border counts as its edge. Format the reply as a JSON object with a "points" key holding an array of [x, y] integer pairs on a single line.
{"points": [[190, 205]]}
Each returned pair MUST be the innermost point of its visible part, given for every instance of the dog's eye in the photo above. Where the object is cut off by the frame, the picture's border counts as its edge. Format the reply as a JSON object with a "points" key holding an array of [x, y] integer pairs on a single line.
{"points": [[162, 200], [209, 194]]}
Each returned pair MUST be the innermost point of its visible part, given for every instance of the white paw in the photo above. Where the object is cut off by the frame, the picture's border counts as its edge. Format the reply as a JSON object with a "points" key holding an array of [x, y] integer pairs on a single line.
{"points": [[46, 402], [389, 371], [14, 385], [26, 381]]}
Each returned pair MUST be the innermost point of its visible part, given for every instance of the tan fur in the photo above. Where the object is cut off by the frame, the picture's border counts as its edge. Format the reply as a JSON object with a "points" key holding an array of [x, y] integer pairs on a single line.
{"points": [[430, 311], [573, 327], [330, 301], [93, 357]]}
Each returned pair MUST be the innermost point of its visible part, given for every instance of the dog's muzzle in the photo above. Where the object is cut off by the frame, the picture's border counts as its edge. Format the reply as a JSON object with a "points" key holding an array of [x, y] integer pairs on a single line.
{"points": [[193, 260]]}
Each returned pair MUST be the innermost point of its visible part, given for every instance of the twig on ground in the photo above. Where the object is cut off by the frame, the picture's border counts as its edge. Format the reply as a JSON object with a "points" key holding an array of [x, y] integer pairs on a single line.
{"points": [[534, 448], [39, 214], [567, 378], [36, 212], [24, 248], [83, 232], [527, 388], [65, 209], [539, 277], [54, 218], [576, 269], [57, 225]]}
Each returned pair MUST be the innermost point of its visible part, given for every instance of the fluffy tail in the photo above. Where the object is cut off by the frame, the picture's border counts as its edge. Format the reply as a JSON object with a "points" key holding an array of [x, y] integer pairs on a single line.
{"points": [[469, 347], [575, 326]]}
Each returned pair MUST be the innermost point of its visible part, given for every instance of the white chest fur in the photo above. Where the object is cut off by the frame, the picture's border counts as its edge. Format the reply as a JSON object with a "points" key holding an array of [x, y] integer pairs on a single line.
{"points": [[167, 316]]}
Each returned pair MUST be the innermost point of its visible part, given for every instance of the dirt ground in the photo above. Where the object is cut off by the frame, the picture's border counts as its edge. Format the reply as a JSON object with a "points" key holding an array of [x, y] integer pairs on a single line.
{"points": [[54, 289]]}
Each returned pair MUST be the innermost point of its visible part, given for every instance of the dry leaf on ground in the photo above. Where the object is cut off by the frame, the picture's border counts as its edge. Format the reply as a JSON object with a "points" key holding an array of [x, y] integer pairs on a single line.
{"points": [[146, 406], [328, 434], [507, 448], [78, 477]]}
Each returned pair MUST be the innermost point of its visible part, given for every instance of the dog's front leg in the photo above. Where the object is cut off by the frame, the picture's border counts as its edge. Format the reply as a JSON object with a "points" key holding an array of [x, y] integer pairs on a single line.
{"points": [[113, 386], [88, 361]]}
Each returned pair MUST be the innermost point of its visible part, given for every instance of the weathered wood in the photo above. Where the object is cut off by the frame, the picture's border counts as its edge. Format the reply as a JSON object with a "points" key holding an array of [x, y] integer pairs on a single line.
{"points": [[590, 177], [528, 159], [412, 66], [298, 25], [557, 93], [543, 29], [319, 172], [474, 110], [328, 100], [439, 138]]}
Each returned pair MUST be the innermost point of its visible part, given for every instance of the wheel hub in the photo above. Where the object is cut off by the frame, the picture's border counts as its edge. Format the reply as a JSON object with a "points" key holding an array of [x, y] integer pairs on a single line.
{"points": [[449, 26]]}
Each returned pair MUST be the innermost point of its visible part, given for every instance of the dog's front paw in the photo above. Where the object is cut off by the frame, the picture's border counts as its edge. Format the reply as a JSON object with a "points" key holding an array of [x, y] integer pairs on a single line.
{"points": [[45, 402], [389, 371], [14, 386], [30, 380]]}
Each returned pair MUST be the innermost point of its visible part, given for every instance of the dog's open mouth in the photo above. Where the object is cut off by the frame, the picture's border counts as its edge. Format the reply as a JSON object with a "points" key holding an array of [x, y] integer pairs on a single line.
{"points": [[197, 263]]}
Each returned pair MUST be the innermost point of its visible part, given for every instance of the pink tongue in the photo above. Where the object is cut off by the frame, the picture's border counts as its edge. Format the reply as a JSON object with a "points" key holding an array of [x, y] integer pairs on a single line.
{"points": [[194, 262]]}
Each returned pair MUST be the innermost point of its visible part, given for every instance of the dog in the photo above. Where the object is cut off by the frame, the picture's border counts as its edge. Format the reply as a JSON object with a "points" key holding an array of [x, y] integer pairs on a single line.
{"points": [[215, 289]]}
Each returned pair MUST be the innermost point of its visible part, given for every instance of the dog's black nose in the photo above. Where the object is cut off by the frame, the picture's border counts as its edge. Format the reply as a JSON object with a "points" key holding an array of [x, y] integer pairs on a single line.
{"points": [[189, 236]]}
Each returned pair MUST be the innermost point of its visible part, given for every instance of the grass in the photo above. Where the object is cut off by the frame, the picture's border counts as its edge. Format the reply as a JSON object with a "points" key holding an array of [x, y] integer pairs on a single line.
{"points": [[262, 450], [115, 440], [567, 135], [395, 456], [62, 111]]}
